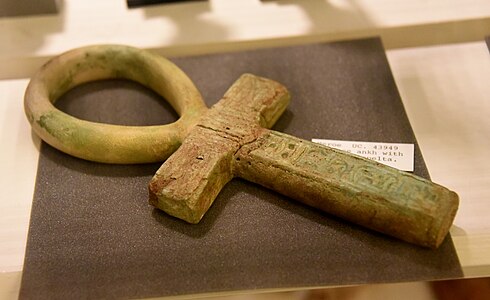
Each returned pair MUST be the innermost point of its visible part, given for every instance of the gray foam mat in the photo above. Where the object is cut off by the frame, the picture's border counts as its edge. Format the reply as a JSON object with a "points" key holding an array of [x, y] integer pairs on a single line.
{"points": [[93, 235]]}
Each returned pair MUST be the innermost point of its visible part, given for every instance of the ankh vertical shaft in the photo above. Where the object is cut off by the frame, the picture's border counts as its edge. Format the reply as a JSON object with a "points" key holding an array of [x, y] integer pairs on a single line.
{"points": [[351, 187]]}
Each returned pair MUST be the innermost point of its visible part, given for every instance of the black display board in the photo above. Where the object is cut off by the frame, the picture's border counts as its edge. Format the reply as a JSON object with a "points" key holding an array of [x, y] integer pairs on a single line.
{"points": [[138, 3], [93, 235]]}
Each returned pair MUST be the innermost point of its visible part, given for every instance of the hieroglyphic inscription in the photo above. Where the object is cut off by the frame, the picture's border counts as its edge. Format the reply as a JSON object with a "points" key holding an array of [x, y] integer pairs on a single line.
{"points": [[360, 173]]}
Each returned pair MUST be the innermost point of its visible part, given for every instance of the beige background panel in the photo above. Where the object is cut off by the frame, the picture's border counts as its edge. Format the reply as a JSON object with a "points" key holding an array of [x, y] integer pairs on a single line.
{"points": [[221, 25], [445, 91]]}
